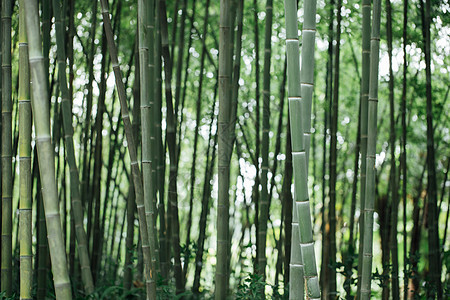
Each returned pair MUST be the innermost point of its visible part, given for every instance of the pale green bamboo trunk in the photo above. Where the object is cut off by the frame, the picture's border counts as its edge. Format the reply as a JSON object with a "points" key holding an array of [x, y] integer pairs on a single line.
{"points": [[41, 113], [307, 71], [25, 204], [296, 268], [371, 154], [6, 256], [77, 208], [223, 150], [302, 240], [307, 89], [145, 9]]}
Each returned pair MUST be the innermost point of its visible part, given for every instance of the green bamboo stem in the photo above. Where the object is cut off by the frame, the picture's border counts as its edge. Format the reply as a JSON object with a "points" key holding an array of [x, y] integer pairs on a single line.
{"points": [[197, 124], [173, 219], [403, 167], [152, 41], [364, 111], [302, 250], [307, 89], [146, 70], [209, 169], [331, 292], [77, 208], [180, 57], [40, 108], [42, 247], [151, 67], [264, 207], [393, 173], [159, 148], [296, 267], [137, 178], [236, 73], [255, 190], [6, 178], [371, 153], [307, 71], [85, 161], [434, 257], [25, 203], [223, 204], [42, 251]]}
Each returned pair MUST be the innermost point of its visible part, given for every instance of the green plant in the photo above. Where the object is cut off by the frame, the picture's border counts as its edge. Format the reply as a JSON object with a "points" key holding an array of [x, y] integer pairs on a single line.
{"points": [[252, 288]]}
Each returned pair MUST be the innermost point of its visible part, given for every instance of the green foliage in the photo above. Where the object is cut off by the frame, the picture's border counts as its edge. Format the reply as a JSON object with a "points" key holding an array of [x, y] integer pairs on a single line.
{"points": [[252, 288], [166, 290], [115, 292], [2, 296]]}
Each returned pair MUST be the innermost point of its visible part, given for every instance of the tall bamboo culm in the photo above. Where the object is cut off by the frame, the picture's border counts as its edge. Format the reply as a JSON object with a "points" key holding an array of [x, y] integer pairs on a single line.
{"points": [[136, 172], [25, 204], [307, 89], [145, 36], [77, 208], [307, 86], [364, 103], [371, 153], [307, 71], [6, 261], [264, 207], [41, 113], [302, 250], [296, 268], [223, 149], [153, 111]]}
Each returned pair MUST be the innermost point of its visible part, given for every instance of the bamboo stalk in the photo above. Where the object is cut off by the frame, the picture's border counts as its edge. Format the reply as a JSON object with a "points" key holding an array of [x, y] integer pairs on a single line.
{"points": [[264, 207], [296, 283], [137, 178], [151, 67], [371, 153], [209, 169], [173, 219], [223, 150], [307, 89], [145, 35], [6, 178], [434, 257], [255, 190], [40, 108], [331, 292], [302, 240], [197, 124], [364, 111], [77, 208], [393, 173], [25, 205], [404, 172]]}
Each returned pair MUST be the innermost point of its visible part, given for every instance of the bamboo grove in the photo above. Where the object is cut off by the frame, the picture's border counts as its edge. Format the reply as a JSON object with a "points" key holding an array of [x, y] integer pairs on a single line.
{"points": [[198, 149]]}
